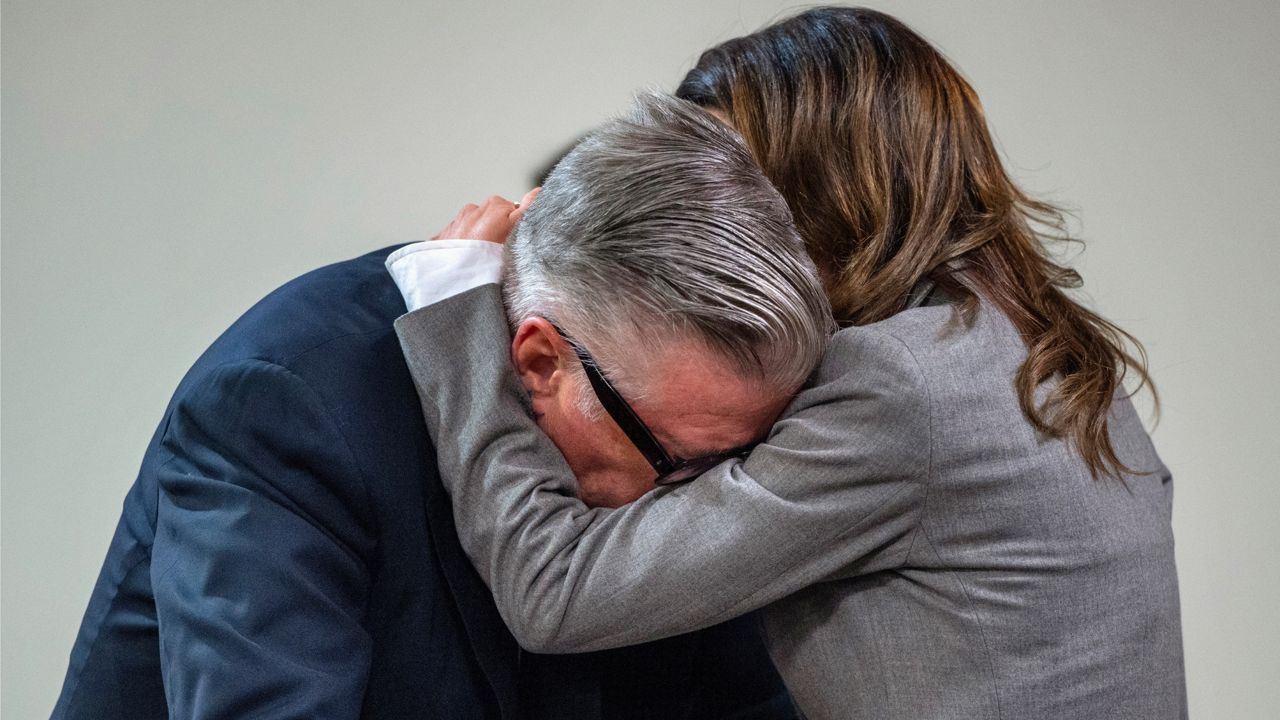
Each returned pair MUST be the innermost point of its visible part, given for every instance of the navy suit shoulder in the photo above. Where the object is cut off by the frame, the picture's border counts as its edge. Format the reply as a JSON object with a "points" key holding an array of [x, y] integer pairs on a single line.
{"points": [[313, 369]]}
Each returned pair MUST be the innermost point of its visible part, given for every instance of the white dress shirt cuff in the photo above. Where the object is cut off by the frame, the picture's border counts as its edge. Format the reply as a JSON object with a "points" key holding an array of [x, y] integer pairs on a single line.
{"points": [[431, 271]]}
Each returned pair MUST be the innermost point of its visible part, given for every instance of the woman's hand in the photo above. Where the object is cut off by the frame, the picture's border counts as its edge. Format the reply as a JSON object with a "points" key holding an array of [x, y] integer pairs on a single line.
{"points": [[492, 221]]}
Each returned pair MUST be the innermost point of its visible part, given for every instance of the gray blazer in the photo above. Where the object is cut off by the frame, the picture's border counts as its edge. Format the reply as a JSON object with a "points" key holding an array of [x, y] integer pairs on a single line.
{"points": [[920, 550]]}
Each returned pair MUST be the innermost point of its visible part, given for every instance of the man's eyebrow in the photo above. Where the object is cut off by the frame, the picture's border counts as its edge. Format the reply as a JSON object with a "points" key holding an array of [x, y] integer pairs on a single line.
{"points": [[684, 452]]}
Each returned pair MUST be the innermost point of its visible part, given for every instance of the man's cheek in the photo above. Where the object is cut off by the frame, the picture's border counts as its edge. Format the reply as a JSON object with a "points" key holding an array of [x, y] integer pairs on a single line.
{"points": [[620, 487]]}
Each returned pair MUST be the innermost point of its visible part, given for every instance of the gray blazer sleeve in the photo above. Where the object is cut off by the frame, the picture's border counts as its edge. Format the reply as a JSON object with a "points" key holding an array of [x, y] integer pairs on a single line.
{"points": [[835, 491]]}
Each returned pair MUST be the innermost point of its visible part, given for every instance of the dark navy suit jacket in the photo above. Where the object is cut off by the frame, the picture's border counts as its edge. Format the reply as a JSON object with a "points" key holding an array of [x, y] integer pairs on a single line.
{"points": [[287, 551]]}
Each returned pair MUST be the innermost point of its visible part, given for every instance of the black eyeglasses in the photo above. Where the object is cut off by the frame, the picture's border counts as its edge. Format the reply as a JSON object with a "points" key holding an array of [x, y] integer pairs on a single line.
{"points": [[671, 470]]}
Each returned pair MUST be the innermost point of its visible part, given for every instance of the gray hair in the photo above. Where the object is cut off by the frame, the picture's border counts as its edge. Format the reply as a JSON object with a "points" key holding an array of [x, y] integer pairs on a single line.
{"points": [[659, 228]]}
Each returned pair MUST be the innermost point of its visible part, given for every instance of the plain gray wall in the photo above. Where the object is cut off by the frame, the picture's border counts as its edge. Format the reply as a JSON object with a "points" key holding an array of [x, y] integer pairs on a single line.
{"points": [[166, 164]]}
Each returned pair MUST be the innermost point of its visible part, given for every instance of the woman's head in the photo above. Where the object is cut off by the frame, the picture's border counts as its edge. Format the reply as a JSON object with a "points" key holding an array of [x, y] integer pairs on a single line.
{"points": [[876, 140], [882, 150]]}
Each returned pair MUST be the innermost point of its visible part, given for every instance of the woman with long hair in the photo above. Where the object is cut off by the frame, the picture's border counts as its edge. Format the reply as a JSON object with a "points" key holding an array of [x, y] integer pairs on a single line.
{"points": [[960, 516], [883, 152]]}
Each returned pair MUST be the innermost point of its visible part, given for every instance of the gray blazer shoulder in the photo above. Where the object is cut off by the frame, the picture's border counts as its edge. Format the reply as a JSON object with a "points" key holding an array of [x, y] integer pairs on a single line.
{"points": [[918, 545]]}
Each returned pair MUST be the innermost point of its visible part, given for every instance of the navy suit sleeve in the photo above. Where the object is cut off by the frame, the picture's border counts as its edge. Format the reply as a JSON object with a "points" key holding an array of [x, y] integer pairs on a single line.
{"points": [[260, 559], [733, 677]]}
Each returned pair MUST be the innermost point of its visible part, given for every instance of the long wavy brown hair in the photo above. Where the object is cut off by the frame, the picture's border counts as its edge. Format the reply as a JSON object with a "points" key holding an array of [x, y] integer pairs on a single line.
{"points": [[882, 150]]}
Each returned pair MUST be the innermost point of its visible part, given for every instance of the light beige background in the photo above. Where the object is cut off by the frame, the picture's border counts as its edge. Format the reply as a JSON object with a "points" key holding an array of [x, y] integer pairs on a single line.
{"points": [[165, 164]]}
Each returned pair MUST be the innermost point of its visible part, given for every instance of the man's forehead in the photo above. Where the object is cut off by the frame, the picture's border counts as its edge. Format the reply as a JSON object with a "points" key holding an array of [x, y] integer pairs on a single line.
{"points": [[703, 419]]}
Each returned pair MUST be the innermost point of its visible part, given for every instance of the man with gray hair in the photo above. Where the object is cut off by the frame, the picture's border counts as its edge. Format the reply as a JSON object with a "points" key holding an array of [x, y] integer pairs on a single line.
{"points": [[660, 266], [288, 550]]}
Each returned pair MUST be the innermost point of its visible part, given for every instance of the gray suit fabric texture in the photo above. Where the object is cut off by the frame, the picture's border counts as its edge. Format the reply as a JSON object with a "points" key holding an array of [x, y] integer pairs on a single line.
{"points": [[921, 552]]}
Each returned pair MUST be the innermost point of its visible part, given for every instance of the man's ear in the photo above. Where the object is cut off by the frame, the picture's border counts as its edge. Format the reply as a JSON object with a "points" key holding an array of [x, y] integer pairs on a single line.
{"points": [[538, 354]]}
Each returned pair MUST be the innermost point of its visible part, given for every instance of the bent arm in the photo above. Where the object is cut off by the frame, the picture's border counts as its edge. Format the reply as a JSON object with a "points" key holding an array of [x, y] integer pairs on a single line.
{"points": [[259, 564], [833, 492]]}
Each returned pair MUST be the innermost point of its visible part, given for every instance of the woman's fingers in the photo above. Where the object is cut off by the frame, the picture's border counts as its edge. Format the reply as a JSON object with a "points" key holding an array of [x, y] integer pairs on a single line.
{"points": [[459, 220], [493, 220], [524, 204]]}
